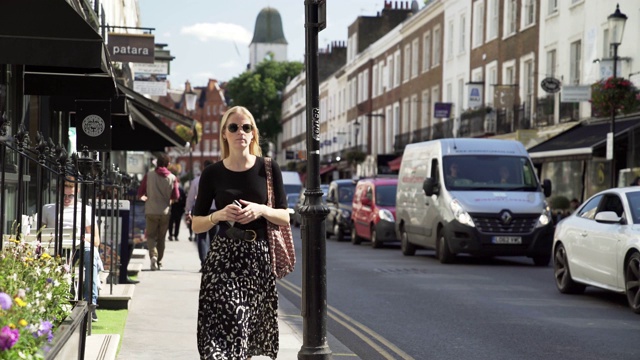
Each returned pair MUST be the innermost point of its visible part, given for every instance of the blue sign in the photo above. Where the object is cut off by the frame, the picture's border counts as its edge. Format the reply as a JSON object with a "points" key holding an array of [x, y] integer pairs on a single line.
{"points": [[327, 142], [442, 110]]}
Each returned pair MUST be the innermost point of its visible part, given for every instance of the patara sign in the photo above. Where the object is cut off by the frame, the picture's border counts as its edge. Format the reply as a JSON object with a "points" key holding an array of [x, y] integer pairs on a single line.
{"points": [[137, 48]]}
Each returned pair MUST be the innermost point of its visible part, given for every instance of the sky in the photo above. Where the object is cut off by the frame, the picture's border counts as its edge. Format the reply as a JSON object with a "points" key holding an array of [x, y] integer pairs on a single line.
{"points": [[210, 38]]}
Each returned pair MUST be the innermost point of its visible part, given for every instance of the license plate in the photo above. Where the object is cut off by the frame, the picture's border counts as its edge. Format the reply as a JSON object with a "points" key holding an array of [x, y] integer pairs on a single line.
{"points": [[507, 240]]}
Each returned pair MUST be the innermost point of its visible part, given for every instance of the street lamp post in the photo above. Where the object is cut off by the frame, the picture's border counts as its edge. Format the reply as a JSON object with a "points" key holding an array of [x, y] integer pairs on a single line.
{"points": [[616, 22], [314, 212], [356, 125], [190, 98]]}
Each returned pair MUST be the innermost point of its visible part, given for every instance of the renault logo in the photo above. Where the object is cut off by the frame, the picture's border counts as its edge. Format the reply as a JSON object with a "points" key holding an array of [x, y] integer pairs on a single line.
{"points": [[506, 217]]}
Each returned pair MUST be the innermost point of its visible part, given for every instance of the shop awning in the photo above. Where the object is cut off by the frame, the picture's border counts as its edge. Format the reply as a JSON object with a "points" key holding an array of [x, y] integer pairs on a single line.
{"points": [[156, 108], [49, 33], [394, 165], [327, 168], [579, 140], [145, 133]]}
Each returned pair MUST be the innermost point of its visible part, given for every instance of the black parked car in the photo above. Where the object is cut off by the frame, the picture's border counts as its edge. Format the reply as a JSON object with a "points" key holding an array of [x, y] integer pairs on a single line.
{"points": [[296, 218], [339, 201]]}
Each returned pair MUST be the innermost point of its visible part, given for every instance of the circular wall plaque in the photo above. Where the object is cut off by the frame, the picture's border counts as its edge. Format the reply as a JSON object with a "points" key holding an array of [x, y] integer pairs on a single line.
{"points": [[93, 125]]}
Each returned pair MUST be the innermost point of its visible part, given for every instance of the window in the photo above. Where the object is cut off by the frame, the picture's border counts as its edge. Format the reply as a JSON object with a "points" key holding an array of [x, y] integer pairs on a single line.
{"points": [[425, 108], [509, 72], [208, 110], [463, 34], [426, 52], [396, 71], [414, 60], [407, 63], [360, 96], [365, 85], [493, 19], [437, 47], [492, 78], [435, 97], [460, 101], [414, 112], [588, 211], [207, 127], [450, 40], [527, 80], [214, 127], [405, 116], [552, 7], [381, 77], [575, 60], [528, 13], [551, 62], [207, 145], [606, 44], [511, 15], [478, 23], [390, 69], [374, 84]]}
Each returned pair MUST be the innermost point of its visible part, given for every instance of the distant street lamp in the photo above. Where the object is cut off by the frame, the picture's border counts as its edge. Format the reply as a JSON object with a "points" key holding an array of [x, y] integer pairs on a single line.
{"points": [[190, 98], [616, 22]]}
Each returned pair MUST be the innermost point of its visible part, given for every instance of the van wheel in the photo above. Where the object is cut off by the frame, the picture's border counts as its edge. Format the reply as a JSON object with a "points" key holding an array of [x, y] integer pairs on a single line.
{"points": [[631, 277], [408, 249], [444, 254], [337, 230], [375, 243], [355, 239]]}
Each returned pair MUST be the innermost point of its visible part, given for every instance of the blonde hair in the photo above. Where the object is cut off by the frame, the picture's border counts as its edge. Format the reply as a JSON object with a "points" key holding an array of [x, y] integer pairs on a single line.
{"points": [[254, 146]]}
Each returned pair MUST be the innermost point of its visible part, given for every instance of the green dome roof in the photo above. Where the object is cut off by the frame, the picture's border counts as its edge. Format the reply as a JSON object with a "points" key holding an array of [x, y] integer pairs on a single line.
{"points": [[268, 27]]}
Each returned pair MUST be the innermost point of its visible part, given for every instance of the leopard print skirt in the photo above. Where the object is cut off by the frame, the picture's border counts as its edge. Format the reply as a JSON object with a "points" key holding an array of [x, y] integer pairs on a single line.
{"points": [[238, 304]]}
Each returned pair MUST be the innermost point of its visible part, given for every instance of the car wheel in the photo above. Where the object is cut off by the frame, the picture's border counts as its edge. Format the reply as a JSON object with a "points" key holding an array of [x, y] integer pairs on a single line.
{"points": [[337, 230], [375, 243], [355, 239], [541, 260], [632, 282], [564, 282], [444, 254], [408, 249]]}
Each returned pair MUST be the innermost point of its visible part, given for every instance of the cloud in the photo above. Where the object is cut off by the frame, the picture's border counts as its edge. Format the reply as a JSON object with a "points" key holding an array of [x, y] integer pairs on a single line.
{"points": [[229, 64], [218, 31]]}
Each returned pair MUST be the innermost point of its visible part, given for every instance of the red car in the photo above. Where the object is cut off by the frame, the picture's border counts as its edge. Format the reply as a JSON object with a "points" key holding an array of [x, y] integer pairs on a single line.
{"points": [[374, 211]]}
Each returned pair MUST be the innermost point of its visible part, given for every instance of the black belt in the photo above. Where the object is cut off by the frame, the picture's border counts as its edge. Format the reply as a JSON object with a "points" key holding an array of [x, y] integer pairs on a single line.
{"points": [[240, 234]]}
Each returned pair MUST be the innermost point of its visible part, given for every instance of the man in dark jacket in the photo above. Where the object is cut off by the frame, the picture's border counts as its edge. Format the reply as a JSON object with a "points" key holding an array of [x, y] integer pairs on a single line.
{"points": [[177, 210]]}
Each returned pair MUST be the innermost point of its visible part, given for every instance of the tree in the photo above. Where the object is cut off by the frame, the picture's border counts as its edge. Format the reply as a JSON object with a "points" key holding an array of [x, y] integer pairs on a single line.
{"points": [[260, 92]]}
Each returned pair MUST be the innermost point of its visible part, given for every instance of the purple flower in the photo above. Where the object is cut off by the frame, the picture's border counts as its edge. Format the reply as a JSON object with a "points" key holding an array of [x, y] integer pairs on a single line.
{"points": [[49, 280], [44, 330], [8, 337], [5, 301]]}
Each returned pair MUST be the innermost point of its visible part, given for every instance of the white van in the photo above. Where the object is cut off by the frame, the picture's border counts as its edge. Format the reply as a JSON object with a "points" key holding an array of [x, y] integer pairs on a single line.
{"points": [[292, 182], [475, 196]]}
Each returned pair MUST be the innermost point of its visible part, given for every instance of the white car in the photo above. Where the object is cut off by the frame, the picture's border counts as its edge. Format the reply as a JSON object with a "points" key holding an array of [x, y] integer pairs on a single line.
{"points": [[599, 245]]}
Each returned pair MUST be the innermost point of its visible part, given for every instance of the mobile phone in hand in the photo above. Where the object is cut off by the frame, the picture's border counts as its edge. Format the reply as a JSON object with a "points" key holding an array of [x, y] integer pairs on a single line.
{"points": [[237, 203]]}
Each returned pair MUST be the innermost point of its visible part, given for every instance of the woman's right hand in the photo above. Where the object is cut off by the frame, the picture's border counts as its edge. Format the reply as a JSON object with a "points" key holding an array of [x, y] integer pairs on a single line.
{"points": [[230, 212]]}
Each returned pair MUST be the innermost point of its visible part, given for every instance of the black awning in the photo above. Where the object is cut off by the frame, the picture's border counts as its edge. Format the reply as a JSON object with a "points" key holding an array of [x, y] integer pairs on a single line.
{"points": [[48, 33], [580, 140], [127, 138], [144, 117], [156, 108]]}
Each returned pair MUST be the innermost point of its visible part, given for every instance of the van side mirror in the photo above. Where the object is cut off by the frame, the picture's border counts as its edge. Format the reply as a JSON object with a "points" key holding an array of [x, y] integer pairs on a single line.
{"points": [[546, 187], [429, 187]]}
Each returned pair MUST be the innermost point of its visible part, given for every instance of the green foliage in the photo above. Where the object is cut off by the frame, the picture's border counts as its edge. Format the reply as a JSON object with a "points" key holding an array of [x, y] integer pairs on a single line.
{"points": [[260, 92], [186, 133], [34, 299], [617, 95], [560, 203], [355, 157]]}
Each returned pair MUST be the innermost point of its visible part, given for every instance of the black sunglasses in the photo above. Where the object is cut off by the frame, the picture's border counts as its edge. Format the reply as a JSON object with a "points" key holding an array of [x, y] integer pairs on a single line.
{"points": [[247, 128]]}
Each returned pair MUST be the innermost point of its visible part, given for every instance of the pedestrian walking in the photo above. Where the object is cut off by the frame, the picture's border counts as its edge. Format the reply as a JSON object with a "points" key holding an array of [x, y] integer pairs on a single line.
{"points": [[203, 239], [157, 188], [177, 210], [237, 312]]}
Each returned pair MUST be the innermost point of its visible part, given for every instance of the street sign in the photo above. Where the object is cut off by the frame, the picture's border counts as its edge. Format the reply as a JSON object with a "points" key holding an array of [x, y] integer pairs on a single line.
{"points": [[575, 93], [550, 85]]}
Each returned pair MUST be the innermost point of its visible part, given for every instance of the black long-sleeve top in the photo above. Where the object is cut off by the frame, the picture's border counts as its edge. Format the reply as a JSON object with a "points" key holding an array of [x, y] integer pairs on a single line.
{"points": [[223, 185]]}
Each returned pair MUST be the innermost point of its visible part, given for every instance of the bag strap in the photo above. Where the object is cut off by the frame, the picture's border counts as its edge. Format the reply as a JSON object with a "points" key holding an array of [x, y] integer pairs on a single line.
{"points": [[269, 169]]}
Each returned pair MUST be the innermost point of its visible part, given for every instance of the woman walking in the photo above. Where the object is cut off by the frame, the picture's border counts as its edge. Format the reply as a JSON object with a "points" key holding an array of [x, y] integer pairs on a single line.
{"points": [[237, 313]]}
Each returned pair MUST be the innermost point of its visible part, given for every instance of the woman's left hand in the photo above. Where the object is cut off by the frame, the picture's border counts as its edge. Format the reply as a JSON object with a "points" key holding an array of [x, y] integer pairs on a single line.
{"points": [[250, 212]]}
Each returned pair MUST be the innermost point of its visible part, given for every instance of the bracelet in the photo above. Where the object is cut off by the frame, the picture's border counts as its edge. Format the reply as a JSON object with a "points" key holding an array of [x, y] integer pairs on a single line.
{"points": [[211, 220]]}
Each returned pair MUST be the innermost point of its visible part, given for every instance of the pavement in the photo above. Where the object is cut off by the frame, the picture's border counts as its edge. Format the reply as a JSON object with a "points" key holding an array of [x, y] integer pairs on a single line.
{"points": [[162, 316]]}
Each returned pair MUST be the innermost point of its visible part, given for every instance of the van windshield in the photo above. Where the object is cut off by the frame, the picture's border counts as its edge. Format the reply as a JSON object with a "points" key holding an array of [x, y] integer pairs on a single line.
{"points": [[489, 172], [292, 188]]}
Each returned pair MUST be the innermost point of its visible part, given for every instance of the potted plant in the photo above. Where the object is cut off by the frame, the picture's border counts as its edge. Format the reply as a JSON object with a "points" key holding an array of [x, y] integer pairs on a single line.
{"points": [[614, 94], [34, 299]]}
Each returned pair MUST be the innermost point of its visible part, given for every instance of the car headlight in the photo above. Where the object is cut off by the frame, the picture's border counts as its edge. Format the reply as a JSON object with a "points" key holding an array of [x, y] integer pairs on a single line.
{"points": [[545, 218], [461, 214], [386, 215], [346, 214]]}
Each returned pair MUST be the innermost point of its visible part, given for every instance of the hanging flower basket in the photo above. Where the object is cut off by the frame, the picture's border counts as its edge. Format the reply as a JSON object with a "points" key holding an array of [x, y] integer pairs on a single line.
{"points": [[617, 95]]}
